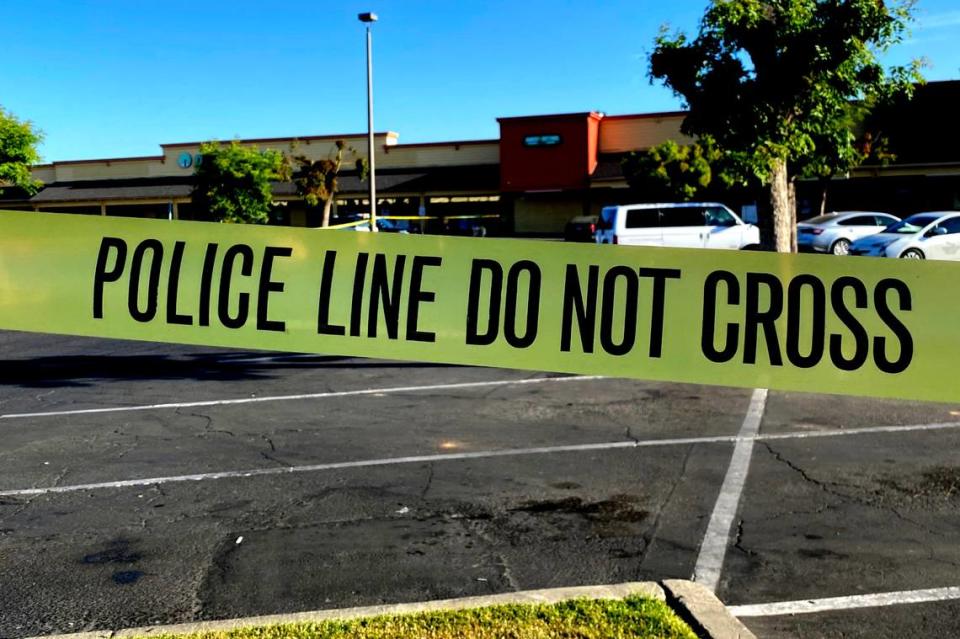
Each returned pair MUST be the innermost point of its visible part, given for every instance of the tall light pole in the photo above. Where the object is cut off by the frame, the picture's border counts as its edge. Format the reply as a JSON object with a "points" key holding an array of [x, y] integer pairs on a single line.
{"points": [[370, 18]]}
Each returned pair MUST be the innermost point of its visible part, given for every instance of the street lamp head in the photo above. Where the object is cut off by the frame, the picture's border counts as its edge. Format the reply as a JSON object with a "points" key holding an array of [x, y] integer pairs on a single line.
{"points": [[367, 17]]}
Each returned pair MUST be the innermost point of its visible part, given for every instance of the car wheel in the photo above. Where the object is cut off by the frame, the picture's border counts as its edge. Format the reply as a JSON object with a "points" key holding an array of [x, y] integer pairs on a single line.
{"points": [[912, 254], [841, 247]]}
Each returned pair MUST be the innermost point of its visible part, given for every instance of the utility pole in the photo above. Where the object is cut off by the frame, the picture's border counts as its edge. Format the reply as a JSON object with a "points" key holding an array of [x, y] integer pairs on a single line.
{"points": [[370, 18]]}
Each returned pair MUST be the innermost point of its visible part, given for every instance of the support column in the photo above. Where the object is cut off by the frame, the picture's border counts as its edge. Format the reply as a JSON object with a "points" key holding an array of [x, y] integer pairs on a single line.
{"points": [[422, 212], [103, 208]]}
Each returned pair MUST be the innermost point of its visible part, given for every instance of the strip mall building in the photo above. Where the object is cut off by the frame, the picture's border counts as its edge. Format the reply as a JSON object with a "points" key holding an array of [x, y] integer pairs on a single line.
{"points": [[542, 171]]}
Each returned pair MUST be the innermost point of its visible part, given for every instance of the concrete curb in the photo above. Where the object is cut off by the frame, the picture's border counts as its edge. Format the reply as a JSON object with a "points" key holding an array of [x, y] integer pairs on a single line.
{"points": [[699, 607], [695, 604]]}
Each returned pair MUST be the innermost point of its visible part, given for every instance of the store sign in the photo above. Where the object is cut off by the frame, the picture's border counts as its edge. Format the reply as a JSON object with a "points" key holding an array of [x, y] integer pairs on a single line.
{"points": [[542, 140], [186, 160]]}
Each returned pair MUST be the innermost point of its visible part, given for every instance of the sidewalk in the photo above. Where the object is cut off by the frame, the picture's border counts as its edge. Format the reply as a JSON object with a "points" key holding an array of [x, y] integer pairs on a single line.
{"points": [[694, 603]]}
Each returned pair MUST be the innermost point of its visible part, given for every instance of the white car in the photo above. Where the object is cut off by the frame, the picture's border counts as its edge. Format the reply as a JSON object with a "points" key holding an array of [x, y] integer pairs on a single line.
{"points": [[934, 236], [685, 224], [835, 232]]}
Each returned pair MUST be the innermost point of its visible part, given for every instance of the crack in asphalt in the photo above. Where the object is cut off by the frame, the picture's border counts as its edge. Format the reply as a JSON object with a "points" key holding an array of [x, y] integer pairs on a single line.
{"points": [[478, 526], [738, 541], [126, 448], [651, 534], [208, 422], [214, 566], [275, 460], [429, 483], [273, 448], [828, 487], [507, 571], [788, 513], [22, 502], [40, 396], [59, 476]]}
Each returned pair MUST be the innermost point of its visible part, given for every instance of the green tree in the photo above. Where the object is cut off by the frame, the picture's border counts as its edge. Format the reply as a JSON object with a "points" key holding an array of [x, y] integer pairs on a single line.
{"points": [[772, 80], [854, 140], [671, 171], [234, 181], [317, 179], [18, 152]]}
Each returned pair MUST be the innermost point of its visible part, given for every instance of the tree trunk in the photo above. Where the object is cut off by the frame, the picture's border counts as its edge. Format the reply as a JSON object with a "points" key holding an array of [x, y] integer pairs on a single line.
{"points": [[793, 213], [824, 186], [784, 215], [327, 205]]}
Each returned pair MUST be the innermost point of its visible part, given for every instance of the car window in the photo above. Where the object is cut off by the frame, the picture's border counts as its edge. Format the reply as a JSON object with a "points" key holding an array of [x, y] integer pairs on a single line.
{"points": [[642, 218], [719, 216], [885, 220], [820, 219], [913, 224], [682, 216], [860, 220], [952, 225], [607, 216]]}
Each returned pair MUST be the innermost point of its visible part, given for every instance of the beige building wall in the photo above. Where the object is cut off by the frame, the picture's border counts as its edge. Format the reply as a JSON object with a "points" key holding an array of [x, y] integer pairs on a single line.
{"points": [[388, 155], [629, 133], [313, 147], [44, 172], [118, 169], [454, 154]]}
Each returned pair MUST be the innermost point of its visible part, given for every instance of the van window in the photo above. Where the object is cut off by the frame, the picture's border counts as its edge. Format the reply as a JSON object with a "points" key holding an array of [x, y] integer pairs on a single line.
{"points": [[607, 217], [642, 218], [719, 216], [682, 216]]}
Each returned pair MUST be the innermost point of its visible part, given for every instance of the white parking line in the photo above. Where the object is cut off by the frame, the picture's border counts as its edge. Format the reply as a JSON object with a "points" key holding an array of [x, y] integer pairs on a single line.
{"points": [[846, 603], [389, 461], [715, 541], [485, 454], [863, 430], [303, 396]]}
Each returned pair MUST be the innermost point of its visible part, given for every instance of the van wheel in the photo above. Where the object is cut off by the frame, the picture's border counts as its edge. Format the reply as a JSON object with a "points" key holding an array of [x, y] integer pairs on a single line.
{"points": [[841, 247], [913, 254], [751, 247]]}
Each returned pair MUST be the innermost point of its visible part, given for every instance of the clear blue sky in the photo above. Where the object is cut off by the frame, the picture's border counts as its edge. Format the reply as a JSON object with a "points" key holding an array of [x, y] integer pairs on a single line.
{"points": [[113, 78]]}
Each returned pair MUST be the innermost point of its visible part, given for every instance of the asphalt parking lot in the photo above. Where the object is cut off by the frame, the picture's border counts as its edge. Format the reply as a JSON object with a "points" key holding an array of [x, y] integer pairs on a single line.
{"points": [[144, 483]]}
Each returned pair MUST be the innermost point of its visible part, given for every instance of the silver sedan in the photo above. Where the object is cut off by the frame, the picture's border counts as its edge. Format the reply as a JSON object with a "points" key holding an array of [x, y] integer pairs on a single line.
{"points": [[835, 232]]}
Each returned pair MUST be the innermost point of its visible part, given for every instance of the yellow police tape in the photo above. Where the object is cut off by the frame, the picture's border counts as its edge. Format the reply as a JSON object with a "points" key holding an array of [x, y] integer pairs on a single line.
{"points": [[344, 225], [796, 322]]}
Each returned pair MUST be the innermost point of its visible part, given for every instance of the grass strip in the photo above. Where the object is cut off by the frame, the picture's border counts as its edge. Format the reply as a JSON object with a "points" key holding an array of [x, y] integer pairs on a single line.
{"points": [[579, 618]]}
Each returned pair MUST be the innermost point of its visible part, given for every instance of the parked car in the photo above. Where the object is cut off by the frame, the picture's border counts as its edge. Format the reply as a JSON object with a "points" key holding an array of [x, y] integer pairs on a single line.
{"points": [[934, 235], [834, 232], [580, 229], [686, 224], [387, 225], [473, 225]]}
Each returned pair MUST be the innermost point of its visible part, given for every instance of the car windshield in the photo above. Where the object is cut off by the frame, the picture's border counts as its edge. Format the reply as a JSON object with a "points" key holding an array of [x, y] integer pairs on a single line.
{"points": [[911, 225]]}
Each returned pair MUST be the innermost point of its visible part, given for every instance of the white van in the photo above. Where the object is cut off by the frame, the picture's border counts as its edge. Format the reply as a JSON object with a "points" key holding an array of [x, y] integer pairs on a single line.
{"points": [[685, 224]]}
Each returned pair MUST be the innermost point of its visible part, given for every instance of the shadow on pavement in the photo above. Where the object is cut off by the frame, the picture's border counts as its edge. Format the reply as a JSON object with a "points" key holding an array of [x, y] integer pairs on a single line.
{"points": [[87, 370]]}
